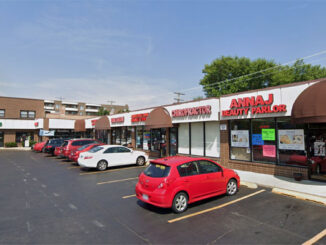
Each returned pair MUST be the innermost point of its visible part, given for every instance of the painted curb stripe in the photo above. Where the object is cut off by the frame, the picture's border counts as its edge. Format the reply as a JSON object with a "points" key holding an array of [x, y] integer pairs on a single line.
{"points": [[114, 181], [301, 196]]}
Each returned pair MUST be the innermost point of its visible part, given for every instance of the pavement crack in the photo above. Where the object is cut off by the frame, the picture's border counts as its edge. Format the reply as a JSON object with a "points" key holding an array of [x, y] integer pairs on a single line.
{"points": [[132, 231]]}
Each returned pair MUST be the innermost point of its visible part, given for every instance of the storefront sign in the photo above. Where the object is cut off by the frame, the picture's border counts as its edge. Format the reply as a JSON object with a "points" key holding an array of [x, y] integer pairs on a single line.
{"points": [[291, 139], [254, 105], [257, 139], [268, 134], [319, 148], [193, 111], [118, 120], [139, 117], [239, 138], [46, 132], [269, 151], [93, 122]]}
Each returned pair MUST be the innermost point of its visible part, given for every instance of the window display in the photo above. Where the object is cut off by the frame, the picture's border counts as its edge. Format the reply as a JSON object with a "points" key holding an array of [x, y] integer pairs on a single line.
{"points": [[139, 137], [240, 145]]}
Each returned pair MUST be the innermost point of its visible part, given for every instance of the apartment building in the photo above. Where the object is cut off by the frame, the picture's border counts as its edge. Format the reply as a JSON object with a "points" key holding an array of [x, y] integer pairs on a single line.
{"points": [[80, 108]]}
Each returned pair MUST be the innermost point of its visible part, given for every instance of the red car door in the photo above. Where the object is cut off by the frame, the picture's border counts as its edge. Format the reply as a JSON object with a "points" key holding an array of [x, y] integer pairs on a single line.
{"points": [[212, 176], [190, 179]]}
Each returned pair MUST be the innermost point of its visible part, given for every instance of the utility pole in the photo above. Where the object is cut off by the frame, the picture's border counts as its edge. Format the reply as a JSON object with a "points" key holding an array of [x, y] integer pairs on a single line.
{"points": [[111, 101], [178, 99]]}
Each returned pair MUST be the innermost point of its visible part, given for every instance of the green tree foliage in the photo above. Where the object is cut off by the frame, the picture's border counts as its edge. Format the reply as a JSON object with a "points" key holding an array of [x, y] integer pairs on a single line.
{"points": [[228, 74], [198, 98], [102, 111]]}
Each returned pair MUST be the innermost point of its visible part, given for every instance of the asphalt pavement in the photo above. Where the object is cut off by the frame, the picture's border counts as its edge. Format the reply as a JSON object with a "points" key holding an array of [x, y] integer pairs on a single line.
{"points": [[45, 200]]}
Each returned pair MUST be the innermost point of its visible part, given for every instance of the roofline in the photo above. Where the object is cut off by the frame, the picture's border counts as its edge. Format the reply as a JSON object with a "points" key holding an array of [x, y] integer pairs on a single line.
{"points": [[274, 87], [6, 97]]}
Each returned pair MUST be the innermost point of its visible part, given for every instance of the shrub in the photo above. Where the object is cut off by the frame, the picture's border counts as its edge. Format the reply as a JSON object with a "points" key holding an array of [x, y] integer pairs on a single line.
{"points": [[11, 144], [31, 143]]}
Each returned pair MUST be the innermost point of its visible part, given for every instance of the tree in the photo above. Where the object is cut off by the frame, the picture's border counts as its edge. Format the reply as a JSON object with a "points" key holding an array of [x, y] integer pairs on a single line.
{"points": [[198, 98], [102, 111], [227, 74]]}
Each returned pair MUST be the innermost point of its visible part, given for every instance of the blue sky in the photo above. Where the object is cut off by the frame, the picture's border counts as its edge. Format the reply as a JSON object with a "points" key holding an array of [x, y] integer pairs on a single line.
{"points": [[140, 52]]}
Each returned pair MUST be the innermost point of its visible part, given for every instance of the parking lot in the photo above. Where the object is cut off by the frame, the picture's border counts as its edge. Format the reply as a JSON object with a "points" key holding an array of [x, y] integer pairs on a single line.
{"points": [[49, 200]]}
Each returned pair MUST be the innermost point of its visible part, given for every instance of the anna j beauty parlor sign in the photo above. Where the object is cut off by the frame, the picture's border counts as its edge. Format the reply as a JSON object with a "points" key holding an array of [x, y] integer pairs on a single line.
{"points": [[254, 105]]}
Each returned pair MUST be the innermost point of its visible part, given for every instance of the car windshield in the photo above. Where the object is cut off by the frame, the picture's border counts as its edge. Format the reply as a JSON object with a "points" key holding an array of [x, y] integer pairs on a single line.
{"points": [[83, 147], [157, 170], [96, 149]]}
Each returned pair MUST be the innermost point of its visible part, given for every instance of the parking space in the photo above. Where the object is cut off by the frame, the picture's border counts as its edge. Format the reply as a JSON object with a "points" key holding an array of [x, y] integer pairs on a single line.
{"points": [[48, 200]]}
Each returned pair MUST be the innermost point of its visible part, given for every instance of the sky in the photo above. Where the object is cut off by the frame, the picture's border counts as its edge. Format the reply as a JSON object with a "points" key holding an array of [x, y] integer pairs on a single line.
{"points": [[140, 52]]}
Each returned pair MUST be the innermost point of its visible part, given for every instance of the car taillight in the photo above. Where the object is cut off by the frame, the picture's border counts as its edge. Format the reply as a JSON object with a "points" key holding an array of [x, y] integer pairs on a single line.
{"points": [[89, 157], [48, 146]]}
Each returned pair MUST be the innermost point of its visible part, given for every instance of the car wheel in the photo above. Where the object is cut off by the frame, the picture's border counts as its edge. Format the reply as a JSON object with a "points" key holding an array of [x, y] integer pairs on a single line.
{"points": [[140, 161], [318, 169], [180, 202], [102, 165], [231, 187]]}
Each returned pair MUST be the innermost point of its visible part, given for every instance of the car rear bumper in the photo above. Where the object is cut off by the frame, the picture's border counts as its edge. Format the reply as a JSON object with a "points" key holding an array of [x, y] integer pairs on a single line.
{"points": [[156, 199]]}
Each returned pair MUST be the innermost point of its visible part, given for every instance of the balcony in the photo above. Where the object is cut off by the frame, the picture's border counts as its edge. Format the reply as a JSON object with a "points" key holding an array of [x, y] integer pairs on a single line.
{"points": [[71, 109], [91, 110]]}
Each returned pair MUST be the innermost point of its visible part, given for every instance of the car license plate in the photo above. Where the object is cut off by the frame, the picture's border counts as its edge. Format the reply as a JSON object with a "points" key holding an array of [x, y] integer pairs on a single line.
{"points": [[145, 197]]}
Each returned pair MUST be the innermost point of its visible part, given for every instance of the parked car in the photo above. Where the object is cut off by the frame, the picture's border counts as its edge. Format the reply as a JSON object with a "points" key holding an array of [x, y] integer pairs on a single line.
{"points": [[74, 144], [39, 146], [174, 182], [52, 144], [58, 151], [105, 156], [74, 155], [317, 164]]}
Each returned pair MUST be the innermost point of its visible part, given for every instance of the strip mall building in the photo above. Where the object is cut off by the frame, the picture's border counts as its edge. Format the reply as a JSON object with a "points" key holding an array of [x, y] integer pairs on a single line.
{"points": [[278, 130]]}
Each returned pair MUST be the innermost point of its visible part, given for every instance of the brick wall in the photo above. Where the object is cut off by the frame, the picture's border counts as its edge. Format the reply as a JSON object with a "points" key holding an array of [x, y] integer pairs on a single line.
{"points": [[13, 106]]}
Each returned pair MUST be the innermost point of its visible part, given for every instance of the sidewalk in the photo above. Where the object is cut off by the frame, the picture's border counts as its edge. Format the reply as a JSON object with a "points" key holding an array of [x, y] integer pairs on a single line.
{"points": [[15, 148], [302, 189]]}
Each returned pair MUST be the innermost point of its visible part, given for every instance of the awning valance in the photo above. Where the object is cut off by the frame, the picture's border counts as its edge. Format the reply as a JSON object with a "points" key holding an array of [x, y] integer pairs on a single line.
{"points": [[80, 125], [310, 106], [158, 118], [103, 123]]}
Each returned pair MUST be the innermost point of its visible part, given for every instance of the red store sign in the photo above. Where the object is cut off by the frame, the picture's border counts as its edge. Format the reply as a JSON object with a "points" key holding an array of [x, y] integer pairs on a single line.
{"points": [[256, 105], [139, 117], [200, 110], [93, 122], [118, 120]]}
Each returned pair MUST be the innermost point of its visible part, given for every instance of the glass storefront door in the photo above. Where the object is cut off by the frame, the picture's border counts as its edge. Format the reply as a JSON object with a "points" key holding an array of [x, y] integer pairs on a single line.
{"points": [[173, 141], [158, 141], [1, 139]]}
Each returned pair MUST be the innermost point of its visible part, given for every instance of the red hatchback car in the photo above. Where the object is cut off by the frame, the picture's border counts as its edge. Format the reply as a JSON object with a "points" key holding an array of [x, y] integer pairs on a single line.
{"points": [[39, 146], [177, 181], [74, 155], [71, 145]]}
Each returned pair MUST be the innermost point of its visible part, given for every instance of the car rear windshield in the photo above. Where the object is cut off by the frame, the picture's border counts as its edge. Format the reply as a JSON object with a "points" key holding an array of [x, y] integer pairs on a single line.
{"points": [[96, 149], [83, 147], [157, 170]]}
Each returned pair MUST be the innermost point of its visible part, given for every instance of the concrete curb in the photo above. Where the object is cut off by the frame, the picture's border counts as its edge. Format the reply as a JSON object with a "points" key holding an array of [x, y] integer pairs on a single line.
{"points": [[300, 195], [15, 149]]}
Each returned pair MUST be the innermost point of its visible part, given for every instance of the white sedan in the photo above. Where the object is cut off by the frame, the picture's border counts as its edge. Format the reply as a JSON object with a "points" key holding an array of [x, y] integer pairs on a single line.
{"points": [[104, 156]]}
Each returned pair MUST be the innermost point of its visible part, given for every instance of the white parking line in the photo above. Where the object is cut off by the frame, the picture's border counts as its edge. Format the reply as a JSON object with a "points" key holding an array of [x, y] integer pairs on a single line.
{"points": [[98, 224], [114, 181]]}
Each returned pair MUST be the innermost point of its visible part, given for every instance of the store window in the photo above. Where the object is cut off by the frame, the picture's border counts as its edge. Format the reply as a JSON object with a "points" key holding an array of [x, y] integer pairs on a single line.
{"points": [[183, 144], [291, 143], [212, 136], [264, 140], [239, 140], [197, 139], [2, 113], [146, 140], [139, 137], [22, 136]]}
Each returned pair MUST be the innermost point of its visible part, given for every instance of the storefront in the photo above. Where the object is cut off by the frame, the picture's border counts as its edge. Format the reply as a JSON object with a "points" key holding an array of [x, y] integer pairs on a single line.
{"points": [[198, 131], [102, 129], [267, 131]]}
